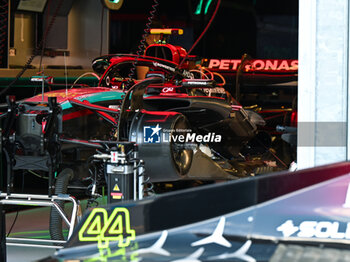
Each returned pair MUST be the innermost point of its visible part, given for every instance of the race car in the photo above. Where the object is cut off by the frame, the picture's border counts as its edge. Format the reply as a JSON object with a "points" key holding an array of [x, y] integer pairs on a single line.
{"points": [[133, 137], [168, 115]]}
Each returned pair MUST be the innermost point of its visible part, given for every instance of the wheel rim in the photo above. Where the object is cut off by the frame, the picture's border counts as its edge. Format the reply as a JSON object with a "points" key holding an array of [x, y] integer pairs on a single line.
{"points": [[182, 157]]}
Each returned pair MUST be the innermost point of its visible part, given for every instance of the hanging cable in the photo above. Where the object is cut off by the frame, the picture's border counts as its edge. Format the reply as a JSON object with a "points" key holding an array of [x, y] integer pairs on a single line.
{"points": [[101, 29], [36, 50], [3, 32], [141, 47]]}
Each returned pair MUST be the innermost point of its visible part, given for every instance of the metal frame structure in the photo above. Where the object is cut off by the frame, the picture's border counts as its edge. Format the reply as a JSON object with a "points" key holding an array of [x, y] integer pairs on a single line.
{"points": [[41, 200]]}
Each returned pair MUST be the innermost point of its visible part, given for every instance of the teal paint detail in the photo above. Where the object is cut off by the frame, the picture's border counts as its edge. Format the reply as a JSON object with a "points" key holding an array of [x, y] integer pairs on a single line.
{"points": [[37, 234], [96, 97], [199, 7], [207, 6]]}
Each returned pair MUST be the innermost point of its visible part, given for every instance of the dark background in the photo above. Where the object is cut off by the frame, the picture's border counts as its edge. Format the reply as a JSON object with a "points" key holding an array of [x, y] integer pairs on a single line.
{"points": [[261, 28]]}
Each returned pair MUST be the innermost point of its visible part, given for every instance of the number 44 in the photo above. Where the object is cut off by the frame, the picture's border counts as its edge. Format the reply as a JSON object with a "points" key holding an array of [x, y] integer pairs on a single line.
{"points": [[101, 228]]}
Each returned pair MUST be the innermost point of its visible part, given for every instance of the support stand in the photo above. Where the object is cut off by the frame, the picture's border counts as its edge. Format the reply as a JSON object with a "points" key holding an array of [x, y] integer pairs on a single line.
{"points": [[31, 142], [2, 234]]}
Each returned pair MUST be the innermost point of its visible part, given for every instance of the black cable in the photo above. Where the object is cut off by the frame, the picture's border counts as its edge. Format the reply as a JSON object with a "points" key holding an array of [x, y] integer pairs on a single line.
{"points": [[3, 31], [142, 45], [36, 50], [101, 39], [13, 223]]}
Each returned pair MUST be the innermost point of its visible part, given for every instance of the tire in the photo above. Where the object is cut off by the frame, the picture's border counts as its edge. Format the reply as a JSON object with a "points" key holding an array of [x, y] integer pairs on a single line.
{"points": [[182, 159]]}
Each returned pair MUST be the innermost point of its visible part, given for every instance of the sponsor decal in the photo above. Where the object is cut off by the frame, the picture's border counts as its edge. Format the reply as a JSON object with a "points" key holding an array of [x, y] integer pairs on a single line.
{"points": [[151, 134], [169, 68], [255, 65], [168, 90], [315, 229], [216, 90], [155, 134], [102, 228], [197, 83], [186, 73]]}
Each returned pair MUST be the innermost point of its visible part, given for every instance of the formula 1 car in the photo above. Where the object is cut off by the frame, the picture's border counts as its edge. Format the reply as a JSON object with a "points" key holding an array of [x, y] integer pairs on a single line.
{"points": [[168, 125], [169, 115], [133, 137]]}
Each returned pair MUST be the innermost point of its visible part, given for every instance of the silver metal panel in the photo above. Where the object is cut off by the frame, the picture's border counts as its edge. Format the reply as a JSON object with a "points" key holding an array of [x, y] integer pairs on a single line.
{"points": [[323, 81]]}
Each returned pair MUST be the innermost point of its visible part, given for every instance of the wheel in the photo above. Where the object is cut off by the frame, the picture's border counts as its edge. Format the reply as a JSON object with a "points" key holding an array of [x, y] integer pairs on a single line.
{"points": [[182, 157]]}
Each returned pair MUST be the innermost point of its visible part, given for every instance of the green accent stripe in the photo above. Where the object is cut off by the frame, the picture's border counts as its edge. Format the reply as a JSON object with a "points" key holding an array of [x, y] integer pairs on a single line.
{"points": [[39, 234], [96, 97]]}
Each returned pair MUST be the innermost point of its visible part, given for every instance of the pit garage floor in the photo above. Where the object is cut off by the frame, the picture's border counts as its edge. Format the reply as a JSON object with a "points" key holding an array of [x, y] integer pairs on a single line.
{"points": [[24, 254], [32, 223]]}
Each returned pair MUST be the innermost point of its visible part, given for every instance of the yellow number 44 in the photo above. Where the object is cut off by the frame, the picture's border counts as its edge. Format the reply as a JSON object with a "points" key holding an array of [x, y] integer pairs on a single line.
{"points": [[101, 228]]}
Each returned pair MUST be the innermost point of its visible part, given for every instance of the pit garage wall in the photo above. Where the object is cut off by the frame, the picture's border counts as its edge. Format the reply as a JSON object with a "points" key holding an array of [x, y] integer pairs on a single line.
{"points": [[84, 32], [323, 90], [83, 36]]}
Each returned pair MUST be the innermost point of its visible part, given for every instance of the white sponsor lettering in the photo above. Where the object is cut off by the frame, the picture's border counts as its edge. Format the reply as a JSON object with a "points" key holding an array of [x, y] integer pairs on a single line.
{"points": [[197, 83], [169, 68], [287, 228], [307, 229], [168, 90], [191, 138], [315, 229]]}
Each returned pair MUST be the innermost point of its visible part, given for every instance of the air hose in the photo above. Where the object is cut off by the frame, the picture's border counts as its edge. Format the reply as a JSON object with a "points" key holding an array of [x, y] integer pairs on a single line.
{"points": [[61, 186]]}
